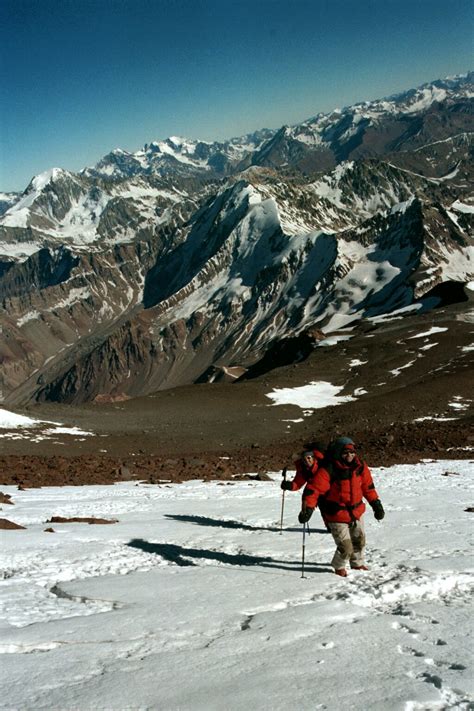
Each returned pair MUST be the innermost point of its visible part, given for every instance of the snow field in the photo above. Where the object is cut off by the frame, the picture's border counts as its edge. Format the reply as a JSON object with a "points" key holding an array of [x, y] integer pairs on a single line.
{"points": [[32, 429], [195, 601]]}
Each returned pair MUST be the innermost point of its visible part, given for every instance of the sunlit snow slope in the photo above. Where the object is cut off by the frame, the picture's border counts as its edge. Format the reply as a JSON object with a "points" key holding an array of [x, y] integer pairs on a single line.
{"points": [[194, 600]]}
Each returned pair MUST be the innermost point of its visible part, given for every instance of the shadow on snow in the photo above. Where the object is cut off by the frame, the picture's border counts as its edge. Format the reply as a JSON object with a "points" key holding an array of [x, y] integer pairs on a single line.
{"points": [[180, 556], [226, 523]]}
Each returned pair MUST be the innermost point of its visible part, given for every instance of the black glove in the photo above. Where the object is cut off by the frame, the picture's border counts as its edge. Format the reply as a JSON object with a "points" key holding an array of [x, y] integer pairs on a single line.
{"points": [[377, 507], [286, 485], [305, 514]]}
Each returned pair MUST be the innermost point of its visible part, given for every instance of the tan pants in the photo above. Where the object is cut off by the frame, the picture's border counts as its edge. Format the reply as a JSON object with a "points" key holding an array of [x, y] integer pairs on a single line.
{"points": [[350, 542]]}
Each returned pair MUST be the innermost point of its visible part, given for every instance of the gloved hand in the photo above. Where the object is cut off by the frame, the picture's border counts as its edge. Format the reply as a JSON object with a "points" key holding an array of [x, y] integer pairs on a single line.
{"points": [[286, 485], [305, 514], [377, 507]]}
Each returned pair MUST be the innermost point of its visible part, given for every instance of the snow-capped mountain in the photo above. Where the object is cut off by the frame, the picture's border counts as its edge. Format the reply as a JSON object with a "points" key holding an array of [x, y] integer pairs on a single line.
{"points": [[152, 267], [7, 200], [179, 157], [441, 111]]}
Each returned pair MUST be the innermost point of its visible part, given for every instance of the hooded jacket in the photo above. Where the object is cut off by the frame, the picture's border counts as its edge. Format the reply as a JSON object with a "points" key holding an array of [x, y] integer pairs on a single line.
{"points": [[343, 486], [305, 474]]}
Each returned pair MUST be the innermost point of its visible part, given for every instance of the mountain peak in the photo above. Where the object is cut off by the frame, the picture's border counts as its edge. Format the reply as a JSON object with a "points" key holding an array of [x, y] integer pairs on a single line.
{"points": [[42, 179]]}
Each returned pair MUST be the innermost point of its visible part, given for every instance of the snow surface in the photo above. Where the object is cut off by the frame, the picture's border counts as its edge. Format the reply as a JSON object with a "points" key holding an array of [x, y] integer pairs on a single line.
{"points": [[12, 421], [435, 418], [19, 250], [357, 362], [462, 207], [396, 314], [315, 395], [333, 340], [430, 332], [194, 601], [9, 420]]}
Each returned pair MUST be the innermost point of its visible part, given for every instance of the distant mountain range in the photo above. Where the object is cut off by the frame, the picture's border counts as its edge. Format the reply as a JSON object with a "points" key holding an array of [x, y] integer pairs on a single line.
{"points": [[189, 261]]}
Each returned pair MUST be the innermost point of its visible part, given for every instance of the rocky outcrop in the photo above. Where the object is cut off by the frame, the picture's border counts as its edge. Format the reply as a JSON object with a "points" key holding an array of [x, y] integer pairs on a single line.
{"points": [[43, 269], [117, 368], [6, 525]]}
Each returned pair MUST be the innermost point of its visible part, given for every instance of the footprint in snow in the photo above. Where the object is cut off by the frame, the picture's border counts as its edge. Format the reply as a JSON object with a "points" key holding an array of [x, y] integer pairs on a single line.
{"points": [[424, 619], [405, 628], [431, 679], [453, 666], [409, 650]]}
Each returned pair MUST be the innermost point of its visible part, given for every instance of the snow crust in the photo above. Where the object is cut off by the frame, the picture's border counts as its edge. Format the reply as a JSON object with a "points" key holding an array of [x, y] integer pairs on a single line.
{"points": [[193, 601]]}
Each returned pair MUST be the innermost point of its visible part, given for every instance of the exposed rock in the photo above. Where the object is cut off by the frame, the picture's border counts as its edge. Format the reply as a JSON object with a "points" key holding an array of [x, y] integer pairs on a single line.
{"points": [[77, 519], [7, 525]]}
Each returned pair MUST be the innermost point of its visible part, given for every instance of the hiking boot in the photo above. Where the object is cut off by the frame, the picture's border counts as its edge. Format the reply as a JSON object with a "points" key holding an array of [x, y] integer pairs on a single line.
{"points": [[359, 567], [342, 572]]}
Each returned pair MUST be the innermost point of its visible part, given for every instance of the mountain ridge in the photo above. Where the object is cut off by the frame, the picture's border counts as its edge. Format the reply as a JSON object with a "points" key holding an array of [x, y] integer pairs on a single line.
{"points": [[157, 267]]}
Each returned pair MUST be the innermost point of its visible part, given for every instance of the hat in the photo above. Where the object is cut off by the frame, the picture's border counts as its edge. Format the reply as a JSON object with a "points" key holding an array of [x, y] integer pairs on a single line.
{"points": [[308, 453], [341, 444], [348, 448]]}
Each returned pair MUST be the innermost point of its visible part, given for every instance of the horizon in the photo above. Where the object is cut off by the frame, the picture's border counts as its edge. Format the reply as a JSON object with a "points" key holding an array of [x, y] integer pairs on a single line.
{"points": [[175, 137], [220, 71]]}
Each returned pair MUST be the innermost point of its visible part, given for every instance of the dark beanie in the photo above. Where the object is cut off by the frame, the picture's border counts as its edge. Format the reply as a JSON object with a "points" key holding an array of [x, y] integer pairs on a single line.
{"points": [[341, 444]]}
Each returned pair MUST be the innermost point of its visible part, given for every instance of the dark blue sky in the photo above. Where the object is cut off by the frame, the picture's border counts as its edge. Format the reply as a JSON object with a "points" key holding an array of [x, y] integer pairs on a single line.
{"points": [[82, 77]]}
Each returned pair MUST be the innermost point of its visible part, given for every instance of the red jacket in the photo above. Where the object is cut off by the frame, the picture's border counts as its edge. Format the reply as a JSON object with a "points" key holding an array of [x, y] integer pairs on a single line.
{"points": [[343, 488], [304, 474]]}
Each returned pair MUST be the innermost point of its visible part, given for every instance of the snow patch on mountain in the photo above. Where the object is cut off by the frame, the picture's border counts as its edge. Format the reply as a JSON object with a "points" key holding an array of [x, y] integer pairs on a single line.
{"points": [[9, 420], [424, 98], [462, 207], [18, 214], [37, 428], [79, 227], [19, 250], [430, 332], [315, 395]]}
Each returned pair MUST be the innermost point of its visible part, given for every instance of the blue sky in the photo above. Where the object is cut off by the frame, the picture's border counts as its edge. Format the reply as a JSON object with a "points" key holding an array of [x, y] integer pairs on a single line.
{"points": [[82, 77]]}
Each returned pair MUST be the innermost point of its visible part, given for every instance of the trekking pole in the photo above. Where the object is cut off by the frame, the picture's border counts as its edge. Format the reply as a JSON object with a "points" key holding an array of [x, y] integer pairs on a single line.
{"points": [[282, 501], [303, 551]]}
